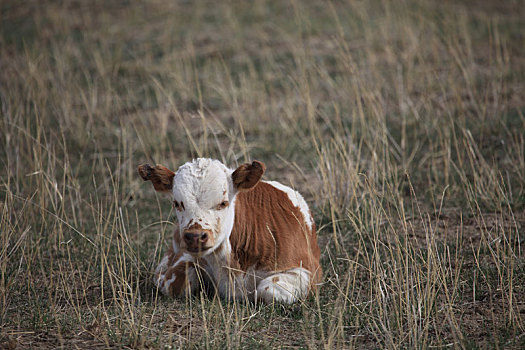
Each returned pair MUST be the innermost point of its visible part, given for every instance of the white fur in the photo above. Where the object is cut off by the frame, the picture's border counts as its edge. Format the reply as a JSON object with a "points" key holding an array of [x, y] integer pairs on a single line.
{"points": [[297, 200], [166, 285], [232, 284], [162, 267], [202, 185], [175, 246], [228, 285], [284, 287]]}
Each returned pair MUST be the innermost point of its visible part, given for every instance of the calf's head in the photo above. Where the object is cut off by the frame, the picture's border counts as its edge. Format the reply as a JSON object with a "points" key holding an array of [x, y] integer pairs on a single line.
{"points": [[203, 194]]}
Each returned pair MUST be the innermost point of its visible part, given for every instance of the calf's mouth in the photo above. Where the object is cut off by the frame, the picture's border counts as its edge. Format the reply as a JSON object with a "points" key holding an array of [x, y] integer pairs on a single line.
{"points": [[197, 249]]}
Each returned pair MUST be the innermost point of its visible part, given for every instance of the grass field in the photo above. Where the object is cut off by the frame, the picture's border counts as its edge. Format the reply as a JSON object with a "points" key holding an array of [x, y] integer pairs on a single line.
{"points": [[401, 122]]}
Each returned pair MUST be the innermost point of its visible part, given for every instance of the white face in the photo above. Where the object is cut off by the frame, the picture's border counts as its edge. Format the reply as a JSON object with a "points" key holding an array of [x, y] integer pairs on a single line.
{"points": [[203, 198]]}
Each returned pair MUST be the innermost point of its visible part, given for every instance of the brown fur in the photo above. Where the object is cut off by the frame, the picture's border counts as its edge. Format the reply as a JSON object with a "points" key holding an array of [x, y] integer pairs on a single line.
{"points": [[176, 236], [181, 272], [270, 233], [247, 175], [160, 176], [181, 281]]}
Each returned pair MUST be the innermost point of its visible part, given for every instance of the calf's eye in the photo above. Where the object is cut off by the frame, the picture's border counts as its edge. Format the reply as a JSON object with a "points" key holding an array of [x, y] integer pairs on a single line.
{"points": [[222, 205], [178, 206]]}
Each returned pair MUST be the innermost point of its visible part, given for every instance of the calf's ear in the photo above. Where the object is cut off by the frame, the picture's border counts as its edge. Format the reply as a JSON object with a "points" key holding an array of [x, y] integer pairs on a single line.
{"points": [[160, 176], [247, 175]]}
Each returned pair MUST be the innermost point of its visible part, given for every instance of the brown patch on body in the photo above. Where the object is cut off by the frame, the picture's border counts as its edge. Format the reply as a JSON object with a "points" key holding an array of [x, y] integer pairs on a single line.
{"points": [[275, 279], [160, 176], [177, 287], [270, 233]]}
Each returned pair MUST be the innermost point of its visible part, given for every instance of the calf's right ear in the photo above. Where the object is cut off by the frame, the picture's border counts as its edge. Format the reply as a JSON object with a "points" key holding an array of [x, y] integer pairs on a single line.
{"points": [[160, 176], [247, 175]]}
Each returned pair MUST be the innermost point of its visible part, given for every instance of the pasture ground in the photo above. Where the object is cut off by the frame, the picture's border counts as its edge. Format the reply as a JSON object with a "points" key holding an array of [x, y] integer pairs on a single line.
{"points": [[402, 123]]}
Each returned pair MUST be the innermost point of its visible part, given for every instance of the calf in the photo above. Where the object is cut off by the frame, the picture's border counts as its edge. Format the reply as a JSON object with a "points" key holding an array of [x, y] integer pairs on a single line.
{"points": [[251, 239]]}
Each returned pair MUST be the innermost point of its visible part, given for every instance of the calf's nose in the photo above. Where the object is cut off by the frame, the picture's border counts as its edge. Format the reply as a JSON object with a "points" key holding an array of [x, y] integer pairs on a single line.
{"points": [[195, 239]]}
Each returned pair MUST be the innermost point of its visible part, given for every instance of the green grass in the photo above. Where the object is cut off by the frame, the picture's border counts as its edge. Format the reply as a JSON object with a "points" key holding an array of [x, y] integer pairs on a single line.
{"points": [[401, 122]]}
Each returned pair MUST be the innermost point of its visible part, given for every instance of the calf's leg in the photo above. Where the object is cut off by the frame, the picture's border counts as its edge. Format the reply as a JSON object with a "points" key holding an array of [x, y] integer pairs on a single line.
{"points": [[284, 287], [176, 275]]}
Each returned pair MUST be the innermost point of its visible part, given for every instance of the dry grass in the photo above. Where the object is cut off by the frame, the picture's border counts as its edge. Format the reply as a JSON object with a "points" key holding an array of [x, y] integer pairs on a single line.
{"points": [[402, 123]]}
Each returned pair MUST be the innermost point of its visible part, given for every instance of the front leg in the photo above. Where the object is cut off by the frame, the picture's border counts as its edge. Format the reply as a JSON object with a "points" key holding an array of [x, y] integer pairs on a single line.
{"points": [[176, 275]]}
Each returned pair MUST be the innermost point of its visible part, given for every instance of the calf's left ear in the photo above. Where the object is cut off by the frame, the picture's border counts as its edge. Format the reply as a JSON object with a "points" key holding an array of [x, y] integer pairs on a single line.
{"points": [[247, 175], [160, 176]]}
